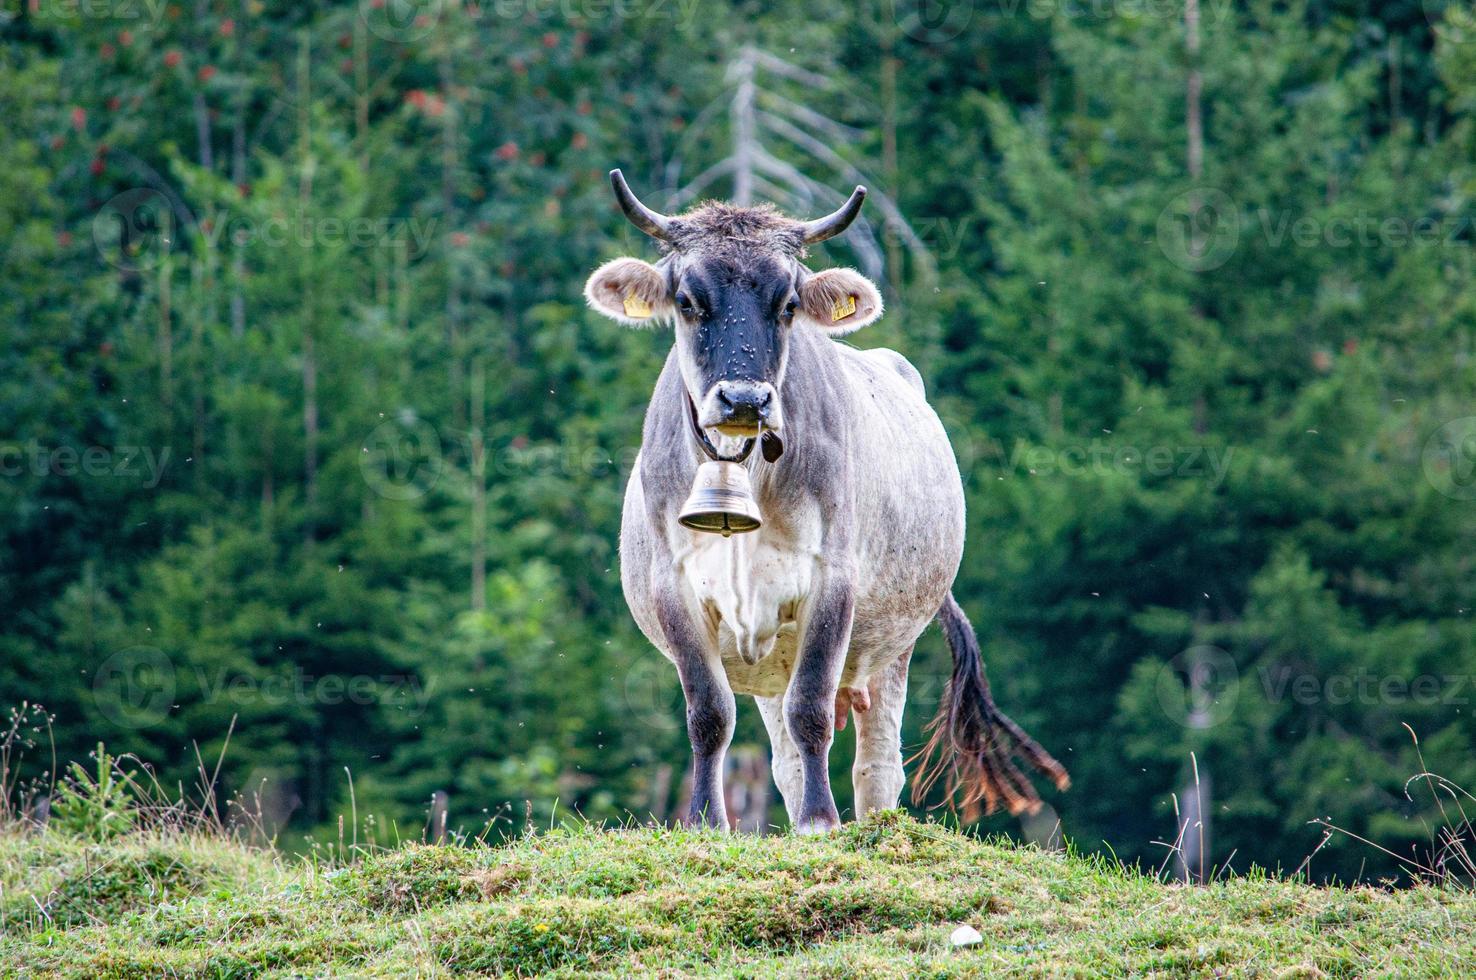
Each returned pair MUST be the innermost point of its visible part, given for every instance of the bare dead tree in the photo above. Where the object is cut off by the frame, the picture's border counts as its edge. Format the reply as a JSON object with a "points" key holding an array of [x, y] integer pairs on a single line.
{"points": [[764, 123], [1197, 792], [435, 824]]}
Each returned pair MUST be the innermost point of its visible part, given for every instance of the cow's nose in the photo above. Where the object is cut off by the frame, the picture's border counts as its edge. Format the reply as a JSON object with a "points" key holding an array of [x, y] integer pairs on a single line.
{"points": [[741, 401], [739, 404]]}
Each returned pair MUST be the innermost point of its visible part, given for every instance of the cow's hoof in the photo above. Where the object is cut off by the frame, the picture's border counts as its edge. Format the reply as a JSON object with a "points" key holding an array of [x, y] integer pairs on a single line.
{"points": [[702, 822], [816, 825]]}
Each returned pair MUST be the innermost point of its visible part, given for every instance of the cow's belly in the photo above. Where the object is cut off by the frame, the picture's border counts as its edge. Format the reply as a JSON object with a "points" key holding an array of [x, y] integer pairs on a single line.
{"points": [[875, 644], [750, 591], [752, 594]]}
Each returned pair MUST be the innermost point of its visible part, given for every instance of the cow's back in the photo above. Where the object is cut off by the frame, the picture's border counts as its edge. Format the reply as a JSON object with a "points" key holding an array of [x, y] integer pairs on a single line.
{"points": [[909, 507]]}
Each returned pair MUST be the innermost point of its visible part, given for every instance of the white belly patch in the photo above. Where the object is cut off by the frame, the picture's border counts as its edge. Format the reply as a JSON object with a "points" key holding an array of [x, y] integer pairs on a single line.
{"points": [[750, 593]]}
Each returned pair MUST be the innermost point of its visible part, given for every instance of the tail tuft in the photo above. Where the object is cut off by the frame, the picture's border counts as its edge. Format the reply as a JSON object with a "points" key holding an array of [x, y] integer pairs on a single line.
{"points": [[971, 743]]}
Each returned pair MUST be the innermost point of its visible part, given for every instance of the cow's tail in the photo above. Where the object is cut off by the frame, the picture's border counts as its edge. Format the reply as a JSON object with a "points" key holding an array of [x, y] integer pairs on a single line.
{"points": [[972, 744]]}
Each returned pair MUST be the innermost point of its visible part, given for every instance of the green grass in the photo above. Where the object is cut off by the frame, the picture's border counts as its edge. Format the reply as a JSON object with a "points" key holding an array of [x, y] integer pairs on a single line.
{"points": [[878, 898]]}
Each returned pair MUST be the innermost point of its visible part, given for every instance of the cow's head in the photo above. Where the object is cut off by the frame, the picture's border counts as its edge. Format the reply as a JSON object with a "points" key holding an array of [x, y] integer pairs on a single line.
{"points": [[733, 285]]}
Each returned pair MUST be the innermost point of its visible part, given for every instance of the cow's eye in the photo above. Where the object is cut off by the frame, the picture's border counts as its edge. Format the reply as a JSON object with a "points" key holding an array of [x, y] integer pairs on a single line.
{"points": [[684, 304], [790, 309]]}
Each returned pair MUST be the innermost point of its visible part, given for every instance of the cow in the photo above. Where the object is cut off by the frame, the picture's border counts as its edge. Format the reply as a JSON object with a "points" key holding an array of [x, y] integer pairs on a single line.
{"points": [[816, 612]]}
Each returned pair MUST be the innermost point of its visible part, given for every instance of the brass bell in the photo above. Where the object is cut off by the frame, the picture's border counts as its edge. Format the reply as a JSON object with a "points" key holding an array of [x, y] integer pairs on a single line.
{"points": [[721, 501]]}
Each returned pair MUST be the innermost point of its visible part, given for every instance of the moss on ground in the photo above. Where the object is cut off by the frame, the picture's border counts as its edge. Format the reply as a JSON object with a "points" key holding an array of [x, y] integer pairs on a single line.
{"points": [[878, 898]]}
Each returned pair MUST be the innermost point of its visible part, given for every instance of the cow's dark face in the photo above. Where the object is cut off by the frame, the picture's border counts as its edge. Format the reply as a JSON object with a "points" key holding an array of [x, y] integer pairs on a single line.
{"points": [[733, 286], [733, 318], [734, 312]]}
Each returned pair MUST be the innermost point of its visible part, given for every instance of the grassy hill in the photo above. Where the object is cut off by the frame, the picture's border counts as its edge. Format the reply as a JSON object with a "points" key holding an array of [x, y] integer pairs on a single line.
{"points": [[879, 898]]}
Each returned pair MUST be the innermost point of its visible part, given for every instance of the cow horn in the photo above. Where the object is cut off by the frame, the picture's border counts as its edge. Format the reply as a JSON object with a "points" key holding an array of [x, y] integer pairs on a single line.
{"points": [[833, 224], [653, 223]]}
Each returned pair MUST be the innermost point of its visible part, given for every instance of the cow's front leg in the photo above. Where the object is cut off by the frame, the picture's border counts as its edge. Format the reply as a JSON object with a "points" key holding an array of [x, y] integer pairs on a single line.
{"points": [[711, 711], [710, 717], [809, 703]]}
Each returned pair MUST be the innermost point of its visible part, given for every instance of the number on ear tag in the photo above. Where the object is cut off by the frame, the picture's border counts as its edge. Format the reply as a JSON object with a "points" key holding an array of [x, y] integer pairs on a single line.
{"points": [[636, 308], [843, 308]]}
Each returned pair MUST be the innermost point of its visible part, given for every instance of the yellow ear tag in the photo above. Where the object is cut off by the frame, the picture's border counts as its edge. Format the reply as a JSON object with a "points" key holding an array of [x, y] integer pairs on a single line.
{"points": [[843, 308], [636, 308]]}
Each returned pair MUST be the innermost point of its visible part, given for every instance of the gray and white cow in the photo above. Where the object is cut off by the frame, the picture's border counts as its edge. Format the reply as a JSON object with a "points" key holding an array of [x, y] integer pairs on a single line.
{"points": [[815, 613]]}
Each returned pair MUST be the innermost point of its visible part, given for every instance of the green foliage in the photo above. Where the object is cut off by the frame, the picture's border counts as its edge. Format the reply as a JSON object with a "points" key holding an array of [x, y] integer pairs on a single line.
{"points": [[94, 806], [306, 436]]}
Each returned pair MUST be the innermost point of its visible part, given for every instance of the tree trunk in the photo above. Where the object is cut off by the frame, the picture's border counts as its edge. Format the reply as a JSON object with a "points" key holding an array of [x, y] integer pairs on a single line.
{"points": [[310, 424], [1193, 119], [308, 308], [1194, 830], [744, 129], [362, 92], [238, 177], [889, 68], [479, 485], [166, 334], [448, 212], [435, 826]]}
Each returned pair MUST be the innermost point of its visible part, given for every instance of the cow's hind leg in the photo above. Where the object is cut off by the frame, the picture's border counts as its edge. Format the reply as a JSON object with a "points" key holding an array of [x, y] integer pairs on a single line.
{"points": [[877, 773], [789, 774]]}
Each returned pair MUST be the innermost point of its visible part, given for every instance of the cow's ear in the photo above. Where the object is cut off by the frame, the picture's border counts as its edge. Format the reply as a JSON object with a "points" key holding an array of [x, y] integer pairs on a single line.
{"points": [[839, 301], [630, 291]]}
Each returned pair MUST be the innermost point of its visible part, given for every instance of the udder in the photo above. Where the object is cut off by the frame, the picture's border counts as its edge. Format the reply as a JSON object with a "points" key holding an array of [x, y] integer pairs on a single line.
{"points": [[768, 676]]}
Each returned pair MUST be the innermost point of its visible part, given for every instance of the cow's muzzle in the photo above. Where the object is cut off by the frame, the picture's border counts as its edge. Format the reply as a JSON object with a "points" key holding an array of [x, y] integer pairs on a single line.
{"points": [[741, 408]]}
